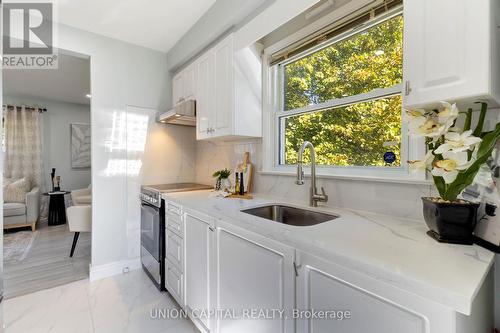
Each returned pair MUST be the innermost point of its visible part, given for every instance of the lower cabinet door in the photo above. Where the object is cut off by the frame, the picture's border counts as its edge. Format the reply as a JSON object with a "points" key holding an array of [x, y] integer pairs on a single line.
{"points": [[174, 282], [173, 249], [255, 282], [198, 252], [351, 309]]}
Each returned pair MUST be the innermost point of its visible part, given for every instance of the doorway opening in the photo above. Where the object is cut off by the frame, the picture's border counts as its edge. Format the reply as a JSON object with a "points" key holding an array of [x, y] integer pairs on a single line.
{"points": [[46, 142]]}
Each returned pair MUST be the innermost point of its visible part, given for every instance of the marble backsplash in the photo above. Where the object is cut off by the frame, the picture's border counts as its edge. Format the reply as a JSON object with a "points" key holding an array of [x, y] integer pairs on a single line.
{"points": [[396, 199]]}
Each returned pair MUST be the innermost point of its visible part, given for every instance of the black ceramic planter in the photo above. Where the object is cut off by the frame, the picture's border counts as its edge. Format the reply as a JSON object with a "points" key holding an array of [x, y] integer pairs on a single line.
{"points": [[451, 222]]}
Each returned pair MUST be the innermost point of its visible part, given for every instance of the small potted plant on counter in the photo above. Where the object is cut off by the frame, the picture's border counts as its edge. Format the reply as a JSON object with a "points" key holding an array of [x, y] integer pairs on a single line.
{"points": [[454, 157], [222, 182]]}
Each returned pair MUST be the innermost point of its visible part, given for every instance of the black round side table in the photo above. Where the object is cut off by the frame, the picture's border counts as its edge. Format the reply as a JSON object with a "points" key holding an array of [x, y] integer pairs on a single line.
{"points": [[57, 207]]}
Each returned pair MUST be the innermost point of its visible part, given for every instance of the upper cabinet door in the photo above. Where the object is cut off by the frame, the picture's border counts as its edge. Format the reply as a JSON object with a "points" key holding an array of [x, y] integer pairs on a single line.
{"points": [[447, 51], [177, 89], [205, 95], [189, 82], [227, 89], [224, 87]]}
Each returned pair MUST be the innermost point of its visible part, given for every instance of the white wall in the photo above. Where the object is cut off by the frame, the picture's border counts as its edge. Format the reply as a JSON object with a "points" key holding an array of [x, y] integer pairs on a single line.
{"points": [[56, 139]]}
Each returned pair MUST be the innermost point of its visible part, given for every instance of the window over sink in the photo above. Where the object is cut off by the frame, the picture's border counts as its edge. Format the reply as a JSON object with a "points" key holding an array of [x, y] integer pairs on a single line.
{"points": [[342, 91]]}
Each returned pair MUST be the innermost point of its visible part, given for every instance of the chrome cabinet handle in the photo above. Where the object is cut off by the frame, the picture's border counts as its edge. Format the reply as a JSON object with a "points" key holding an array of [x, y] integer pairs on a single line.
{"points": [[407, 88], [296, 268]]}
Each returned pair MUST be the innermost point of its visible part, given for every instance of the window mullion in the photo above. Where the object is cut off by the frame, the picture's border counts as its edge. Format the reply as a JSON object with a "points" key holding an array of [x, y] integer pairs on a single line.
{"points": [[339, 102]]}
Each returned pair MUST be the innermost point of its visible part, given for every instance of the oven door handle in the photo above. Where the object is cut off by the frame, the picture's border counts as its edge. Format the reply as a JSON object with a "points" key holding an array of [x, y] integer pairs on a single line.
{"points": [[148, 205]]}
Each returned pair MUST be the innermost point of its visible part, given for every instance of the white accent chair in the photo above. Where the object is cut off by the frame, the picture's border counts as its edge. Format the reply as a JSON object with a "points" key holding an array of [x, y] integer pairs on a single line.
{"points": [[79, 220], [82, 197], [17, 215]]}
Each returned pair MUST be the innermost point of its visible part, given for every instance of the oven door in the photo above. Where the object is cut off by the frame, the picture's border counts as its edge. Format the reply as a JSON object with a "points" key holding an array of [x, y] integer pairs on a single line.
{"points": [[150, 229], [150, 240]]}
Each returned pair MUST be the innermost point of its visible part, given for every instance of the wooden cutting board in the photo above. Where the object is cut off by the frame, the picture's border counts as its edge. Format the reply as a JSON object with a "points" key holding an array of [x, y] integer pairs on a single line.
{"points": [[247, 168]]}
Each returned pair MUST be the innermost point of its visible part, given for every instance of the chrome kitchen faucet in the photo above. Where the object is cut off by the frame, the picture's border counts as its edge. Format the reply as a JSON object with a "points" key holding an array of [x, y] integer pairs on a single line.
{"points": [[314, 196]]}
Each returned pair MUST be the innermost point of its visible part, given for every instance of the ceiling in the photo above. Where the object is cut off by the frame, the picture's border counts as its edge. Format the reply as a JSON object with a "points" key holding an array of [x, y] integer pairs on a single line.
{"points": [[69, 83], [155, 24]]}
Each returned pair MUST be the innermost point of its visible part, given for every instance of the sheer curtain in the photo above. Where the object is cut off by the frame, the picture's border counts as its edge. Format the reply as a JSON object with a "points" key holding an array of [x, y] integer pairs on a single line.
{"points": [[23, 145]]}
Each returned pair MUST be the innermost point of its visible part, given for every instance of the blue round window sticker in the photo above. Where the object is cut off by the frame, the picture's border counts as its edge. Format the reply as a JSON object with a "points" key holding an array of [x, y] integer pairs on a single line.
{"points": [[389, 157]]}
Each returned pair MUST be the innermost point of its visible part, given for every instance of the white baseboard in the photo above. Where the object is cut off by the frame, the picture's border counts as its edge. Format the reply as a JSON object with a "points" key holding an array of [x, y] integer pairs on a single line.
{"points": [[113, 268]]}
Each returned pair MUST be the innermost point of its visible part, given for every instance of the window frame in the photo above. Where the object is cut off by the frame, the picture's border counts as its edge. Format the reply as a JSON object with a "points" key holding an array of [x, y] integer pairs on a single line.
{"points": [[274, 113]]}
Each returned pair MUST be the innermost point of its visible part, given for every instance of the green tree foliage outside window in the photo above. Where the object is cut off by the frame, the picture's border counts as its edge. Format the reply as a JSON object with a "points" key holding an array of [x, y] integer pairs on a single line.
{"points": [[352, 135]]}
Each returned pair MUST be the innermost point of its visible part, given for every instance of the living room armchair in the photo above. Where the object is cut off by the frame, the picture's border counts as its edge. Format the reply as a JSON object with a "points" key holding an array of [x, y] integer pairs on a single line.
{"points": [[17, 215], [79, 220], [82, 197]]}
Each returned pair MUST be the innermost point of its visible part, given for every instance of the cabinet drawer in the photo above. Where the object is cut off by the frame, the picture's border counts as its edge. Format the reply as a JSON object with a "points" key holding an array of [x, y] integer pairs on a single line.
{"points": [[173, 208], [173, 250], [173, 282], [174, 223]]}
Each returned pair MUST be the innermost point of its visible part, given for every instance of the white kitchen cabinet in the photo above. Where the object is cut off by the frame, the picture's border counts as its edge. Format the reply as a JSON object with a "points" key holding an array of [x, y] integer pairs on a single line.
{"points": [[227, 267], [451, 51], [373, 305], [184, 84], [253, 272], [224, 87], [174, 281], [189, 82], [177, 89], [199, 236], [174, 250], [205, 98], [229, 92], [318, 288], [173, 218]]}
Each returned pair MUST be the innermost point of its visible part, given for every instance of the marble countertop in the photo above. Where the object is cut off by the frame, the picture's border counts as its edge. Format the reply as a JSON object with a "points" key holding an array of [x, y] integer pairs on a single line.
{"points": [[394, 250]]}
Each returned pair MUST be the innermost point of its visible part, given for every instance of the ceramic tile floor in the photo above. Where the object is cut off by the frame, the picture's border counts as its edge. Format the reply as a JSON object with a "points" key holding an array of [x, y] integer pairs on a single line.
{"points": [[117, 304]]}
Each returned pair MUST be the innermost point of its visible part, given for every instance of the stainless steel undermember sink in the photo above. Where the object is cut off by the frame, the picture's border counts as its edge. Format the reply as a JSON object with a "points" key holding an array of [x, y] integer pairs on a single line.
{"points": [[290, 215]]}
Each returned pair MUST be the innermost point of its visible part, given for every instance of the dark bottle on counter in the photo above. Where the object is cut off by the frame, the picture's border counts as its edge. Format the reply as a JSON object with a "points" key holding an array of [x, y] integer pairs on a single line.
{"points": [[237, 184], [242, 187]]}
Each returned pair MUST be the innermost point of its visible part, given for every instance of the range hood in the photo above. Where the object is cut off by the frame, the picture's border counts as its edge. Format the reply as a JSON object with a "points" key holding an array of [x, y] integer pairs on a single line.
{"points": [[183, 113]]}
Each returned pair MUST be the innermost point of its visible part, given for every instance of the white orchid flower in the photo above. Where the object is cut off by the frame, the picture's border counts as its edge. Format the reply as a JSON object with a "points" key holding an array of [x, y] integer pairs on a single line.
{"points": [[427, 127], [456, 142], [416, 114], [432, 124], [447, 114], [450, 165], [422, 164]]}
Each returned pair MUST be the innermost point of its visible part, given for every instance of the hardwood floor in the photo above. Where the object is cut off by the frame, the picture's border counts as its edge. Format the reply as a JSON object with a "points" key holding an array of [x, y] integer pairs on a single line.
{"points": [[47, 263]]}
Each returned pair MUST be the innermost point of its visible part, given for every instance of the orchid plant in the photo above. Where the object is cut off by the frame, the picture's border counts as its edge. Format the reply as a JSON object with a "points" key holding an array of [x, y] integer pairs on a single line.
{"points": [[454, 154]]}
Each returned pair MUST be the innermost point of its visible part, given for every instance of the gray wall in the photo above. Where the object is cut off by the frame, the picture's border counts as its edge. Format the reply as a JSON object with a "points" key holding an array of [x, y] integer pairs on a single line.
{"points": [[56, 139]]}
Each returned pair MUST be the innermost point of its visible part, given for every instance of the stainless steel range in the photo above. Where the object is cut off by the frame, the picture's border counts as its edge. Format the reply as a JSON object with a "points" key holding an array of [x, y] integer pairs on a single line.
{"points": [[153, 227]]}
